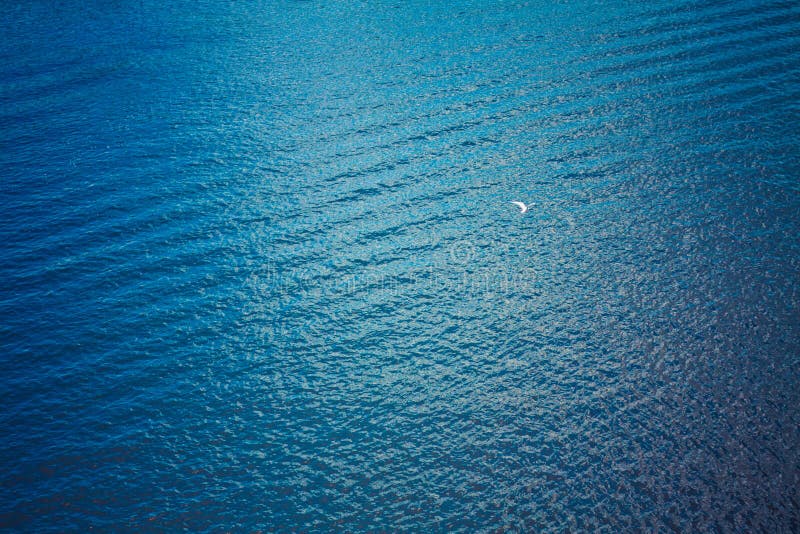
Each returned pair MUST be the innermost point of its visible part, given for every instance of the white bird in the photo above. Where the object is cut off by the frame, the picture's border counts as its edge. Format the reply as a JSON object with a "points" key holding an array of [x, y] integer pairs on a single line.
{"points": [[522, 207]]}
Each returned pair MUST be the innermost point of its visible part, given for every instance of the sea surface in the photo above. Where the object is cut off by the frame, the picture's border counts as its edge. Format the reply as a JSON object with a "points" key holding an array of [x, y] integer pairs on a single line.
{"points": [[259, 269]]}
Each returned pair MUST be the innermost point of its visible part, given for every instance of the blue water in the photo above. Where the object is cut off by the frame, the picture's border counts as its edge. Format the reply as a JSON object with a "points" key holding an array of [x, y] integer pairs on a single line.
{"points": [[259, 270]]}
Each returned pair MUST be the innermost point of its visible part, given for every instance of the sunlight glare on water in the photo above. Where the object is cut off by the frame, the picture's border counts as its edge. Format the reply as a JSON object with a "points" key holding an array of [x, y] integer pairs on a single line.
{"points": [[260, 269]]}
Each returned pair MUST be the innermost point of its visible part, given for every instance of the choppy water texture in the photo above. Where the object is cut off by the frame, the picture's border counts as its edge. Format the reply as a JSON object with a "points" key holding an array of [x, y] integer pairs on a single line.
{"points": [[259, 269]]}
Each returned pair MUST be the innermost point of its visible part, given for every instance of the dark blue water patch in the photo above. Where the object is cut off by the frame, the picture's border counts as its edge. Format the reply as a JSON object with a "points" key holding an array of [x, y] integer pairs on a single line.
{"points": [[261, 272]]}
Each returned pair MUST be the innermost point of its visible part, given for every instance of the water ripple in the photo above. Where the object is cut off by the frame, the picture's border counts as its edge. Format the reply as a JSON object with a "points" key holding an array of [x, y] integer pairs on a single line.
{"points": [[261, 272]]}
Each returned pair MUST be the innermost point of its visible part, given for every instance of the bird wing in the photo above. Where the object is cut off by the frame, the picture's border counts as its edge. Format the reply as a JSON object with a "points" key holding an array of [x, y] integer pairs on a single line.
{"points": [[520, 205]]}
